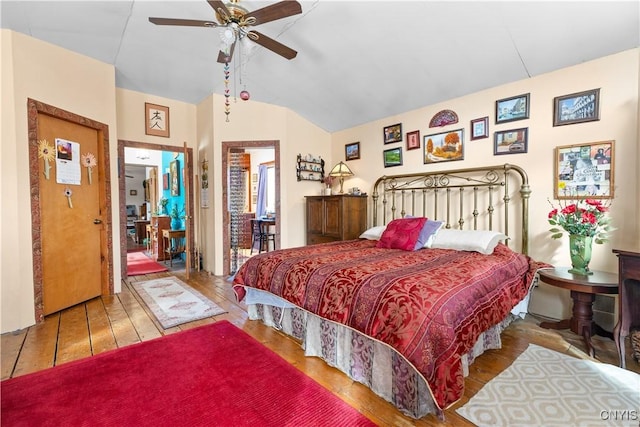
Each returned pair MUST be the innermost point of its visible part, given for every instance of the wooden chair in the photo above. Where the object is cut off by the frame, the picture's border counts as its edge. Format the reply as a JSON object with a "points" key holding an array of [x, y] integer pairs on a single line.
{"points": [[262, 235]]}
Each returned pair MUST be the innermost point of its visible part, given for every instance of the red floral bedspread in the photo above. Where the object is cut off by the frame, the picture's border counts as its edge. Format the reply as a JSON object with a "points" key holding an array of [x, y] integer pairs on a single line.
{"points": [[430, 305]]}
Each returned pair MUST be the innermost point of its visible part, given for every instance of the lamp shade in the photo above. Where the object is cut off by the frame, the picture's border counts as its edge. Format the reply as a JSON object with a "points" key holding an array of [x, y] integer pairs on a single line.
{"points": [[341, 170]]}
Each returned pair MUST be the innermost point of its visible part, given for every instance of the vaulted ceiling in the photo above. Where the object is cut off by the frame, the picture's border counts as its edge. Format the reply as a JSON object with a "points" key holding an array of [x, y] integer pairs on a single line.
{"points": [[357, 61]]}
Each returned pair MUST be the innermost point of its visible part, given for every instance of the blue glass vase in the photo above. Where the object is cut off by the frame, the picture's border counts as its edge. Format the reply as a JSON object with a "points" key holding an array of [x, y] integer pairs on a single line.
{"points": [[176, 224]]}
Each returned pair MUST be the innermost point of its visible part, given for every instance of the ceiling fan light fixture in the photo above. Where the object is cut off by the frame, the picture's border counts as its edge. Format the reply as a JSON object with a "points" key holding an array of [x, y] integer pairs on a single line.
{"points": [[227, 35]]}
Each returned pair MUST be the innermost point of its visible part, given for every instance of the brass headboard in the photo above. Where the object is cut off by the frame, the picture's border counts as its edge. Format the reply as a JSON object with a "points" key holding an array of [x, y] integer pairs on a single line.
{"points": [[475, 198]]}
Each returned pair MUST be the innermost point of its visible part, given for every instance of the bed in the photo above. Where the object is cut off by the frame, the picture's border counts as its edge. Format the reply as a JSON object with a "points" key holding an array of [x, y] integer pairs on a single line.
{"points": [[407, 318]]}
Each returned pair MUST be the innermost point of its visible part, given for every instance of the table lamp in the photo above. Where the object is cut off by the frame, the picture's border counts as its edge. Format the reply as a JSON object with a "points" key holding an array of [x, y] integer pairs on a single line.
{"points": [[340, 171]]}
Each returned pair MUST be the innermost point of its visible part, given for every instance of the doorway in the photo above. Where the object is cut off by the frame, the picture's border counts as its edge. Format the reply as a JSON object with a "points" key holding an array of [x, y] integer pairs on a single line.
{"points": [[238, 195], [141, 199], [153, 149]]}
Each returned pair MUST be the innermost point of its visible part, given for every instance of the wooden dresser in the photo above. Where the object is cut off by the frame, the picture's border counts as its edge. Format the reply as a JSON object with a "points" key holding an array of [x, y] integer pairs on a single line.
{"points": [[158, 224], [628, 298], [334, 218]]}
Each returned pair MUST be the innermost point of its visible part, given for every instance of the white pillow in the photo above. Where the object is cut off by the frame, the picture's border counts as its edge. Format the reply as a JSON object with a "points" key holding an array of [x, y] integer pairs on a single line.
{"points": [[373, 233], [435, 228], [468, 240]]}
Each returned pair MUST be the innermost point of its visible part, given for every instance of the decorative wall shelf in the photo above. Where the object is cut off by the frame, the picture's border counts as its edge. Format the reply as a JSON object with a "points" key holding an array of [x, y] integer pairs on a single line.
{"points": [[309, 168]]}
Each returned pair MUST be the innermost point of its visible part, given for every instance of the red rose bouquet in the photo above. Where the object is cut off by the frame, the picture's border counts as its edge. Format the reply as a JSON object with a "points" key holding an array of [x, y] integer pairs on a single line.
{"points": [[586, 217]]}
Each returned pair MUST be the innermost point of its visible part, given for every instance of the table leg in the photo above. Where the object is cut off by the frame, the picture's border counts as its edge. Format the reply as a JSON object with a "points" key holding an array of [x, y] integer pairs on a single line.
{"points": [[582, 320], [619, 339]]}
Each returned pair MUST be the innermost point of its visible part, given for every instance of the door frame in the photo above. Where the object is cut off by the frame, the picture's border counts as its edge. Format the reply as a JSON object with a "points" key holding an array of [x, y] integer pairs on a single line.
{"points": [[34, 109], [226, 238], [122, 195]]}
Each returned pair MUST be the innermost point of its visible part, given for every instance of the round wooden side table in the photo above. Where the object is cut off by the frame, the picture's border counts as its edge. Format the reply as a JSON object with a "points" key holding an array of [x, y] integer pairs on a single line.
{"points": [[583, 290]]}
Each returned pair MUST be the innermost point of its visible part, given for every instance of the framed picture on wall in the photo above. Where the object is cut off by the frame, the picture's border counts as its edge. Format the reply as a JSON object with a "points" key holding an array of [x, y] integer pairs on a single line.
{"points": [[392, 157], [174, 177], [576, 108], [584, 171], [444, 146], [480, 128], [512, 109], [133, 192], [512, 141], [413, 140], [156, 120], [392, 133], [165, 181], [352, 151]]}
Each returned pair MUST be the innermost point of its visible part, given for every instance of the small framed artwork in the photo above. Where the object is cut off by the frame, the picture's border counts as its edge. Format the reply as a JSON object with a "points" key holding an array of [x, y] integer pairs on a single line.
{"points": [[480, 128], [413, 140], [510, 141], [393, 133], [512, 109], [444, 147], [174, 177], [133, 192], [156, 120], [165, 181], [352, 151], [576, 108], [392, 157], [584, 171]]}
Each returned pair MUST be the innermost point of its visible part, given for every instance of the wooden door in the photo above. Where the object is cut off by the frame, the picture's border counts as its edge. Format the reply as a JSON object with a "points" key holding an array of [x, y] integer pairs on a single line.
{"points": [[72, 225]]}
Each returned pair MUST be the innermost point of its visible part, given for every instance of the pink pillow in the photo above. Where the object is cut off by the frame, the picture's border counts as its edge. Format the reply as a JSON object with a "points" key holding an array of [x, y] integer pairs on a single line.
{"points": [[402, 234]]}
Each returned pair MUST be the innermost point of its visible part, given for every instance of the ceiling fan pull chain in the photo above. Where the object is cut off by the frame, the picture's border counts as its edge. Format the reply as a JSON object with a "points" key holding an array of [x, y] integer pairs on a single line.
{"points": [[227, 107]]}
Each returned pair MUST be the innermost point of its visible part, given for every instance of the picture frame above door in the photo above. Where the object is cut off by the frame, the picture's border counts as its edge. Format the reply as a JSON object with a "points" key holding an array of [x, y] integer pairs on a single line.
{"points": [[156, 120]]}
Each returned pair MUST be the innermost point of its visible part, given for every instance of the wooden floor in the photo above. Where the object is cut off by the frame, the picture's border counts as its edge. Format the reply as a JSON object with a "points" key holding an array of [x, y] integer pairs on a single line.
{"points": [[106, 323]]}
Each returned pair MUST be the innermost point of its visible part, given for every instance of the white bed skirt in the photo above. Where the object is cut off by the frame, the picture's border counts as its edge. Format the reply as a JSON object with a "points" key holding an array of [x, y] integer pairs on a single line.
{"points": [[363, 359]]}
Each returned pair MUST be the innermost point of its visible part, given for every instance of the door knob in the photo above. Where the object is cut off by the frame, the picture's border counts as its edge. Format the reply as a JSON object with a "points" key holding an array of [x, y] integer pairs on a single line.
{"points": [[97, 221]]}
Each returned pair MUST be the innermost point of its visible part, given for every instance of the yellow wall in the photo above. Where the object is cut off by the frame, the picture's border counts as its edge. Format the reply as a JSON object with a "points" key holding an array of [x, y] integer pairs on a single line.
{"points": [[47, 73], [31, 68], [617, 76], [130, 115], [255, 121]]}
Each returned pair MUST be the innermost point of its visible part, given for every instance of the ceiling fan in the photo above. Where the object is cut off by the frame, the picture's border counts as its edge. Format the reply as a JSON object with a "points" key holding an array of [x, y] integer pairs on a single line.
{"points": [[237, 22]]}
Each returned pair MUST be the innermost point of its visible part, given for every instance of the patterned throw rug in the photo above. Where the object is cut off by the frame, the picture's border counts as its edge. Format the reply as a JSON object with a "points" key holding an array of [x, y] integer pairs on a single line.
{"points": [[546, 388], [173, 302]]}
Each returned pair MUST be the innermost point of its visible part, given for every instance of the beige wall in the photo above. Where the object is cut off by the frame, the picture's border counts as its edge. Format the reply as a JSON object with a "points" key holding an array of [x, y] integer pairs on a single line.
{"points": [[130, 115], [616, 75], [255, 121], [47, 73], [35, 69]]}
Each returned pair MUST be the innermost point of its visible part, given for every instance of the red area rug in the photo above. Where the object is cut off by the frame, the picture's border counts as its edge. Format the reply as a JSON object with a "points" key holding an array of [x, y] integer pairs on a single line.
{"points": [[213, 375], [138, 263]]}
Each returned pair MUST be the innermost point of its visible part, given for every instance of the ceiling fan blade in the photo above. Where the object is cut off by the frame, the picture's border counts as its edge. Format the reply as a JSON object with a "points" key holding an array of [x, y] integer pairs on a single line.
{"points": [[272, 45], [274, 11], [220, 6], [222, 58], [183, 22]]}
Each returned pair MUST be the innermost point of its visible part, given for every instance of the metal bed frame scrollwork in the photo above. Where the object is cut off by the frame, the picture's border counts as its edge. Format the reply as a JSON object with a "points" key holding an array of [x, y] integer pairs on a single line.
{"points": [[479, 192]]}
